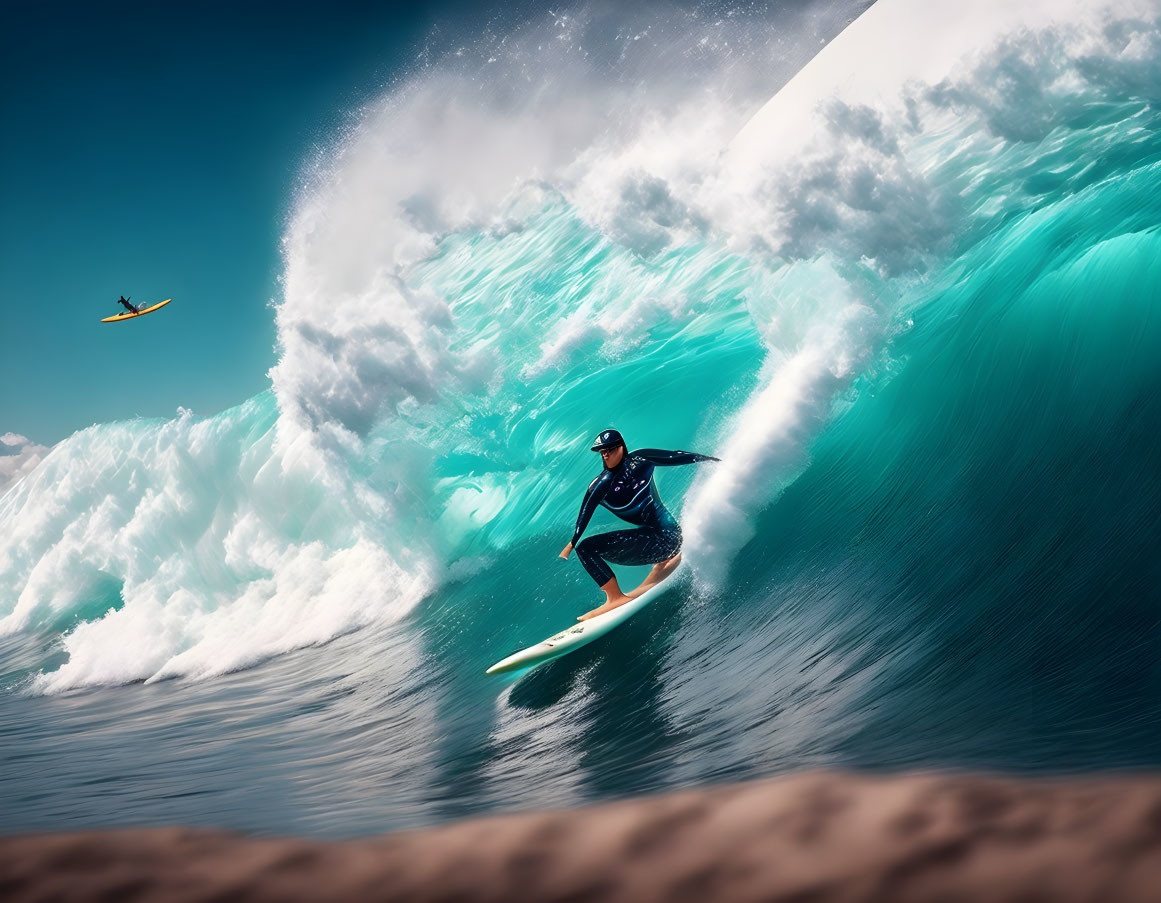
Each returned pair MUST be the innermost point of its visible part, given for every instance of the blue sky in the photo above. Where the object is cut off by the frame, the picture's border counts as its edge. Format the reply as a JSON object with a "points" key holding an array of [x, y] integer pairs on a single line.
{"points": [[151, 149]]}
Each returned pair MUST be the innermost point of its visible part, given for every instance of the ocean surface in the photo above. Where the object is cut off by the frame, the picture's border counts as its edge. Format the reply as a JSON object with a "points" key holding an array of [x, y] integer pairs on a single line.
{"points": [[910, 296]]}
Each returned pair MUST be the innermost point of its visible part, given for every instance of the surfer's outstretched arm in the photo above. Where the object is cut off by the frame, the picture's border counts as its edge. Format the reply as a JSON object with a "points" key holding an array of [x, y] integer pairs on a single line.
{"points": [[663, 458]]}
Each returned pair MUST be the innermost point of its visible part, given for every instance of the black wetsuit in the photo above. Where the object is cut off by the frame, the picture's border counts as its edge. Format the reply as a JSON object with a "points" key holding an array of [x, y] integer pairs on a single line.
{"points": [[130, 307], [629, 492]]}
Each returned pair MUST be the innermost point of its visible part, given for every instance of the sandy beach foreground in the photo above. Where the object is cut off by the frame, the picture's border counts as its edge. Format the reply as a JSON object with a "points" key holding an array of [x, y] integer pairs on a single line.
{"points": [[811, 837]]}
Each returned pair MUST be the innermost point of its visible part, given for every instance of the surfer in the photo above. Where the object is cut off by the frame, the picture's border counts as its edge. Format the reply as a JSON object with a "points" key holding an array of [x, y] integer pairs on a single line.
{"points": [[132, 308], [627, 489]]}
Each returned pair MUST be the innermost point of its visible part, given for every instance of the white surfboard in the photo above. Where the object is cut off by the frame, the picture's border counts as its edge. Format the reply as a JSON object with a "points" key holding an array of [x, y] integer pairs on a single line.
{"points": [[582, 632]]}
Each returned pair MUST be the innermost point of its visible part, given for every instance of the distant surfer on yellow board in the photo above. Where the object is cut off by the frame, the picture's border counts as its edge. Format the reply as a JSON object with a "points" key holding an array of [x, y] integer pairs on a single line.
{"points": [[132, 311], [627, 489]]}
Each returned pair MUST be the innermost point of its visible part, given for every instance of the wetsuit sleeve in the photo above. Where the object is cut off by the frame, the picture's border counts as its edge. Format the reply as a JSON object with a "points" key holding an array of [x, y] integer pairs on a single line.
{"points": [[662, 458], [596, 492]]}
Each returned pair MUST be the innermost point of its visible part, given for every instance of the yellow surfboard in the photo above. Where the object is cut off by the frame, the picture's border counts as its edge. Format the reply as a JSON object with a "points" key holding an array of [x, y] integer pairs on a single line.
{"points": [[141, 313]]}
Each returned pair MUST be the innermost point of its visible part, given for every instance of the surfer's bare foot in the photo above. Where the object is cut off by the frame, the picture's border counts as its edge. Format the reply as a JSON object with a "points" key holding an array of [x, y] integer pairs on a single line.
{"points": [[611, 603], [659, 573]]}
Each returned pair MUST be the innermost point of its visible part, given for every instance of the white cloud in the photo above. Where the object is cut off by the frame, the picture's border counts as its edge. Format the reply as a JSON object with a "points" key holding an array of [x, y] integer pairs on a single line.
{"points": [[18, 456]]}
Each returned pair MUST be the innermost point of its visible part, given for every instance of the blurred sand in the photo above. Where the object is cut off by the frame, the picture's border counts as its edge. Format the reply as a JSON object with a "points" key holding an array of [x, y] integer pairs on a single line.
{"points": [[812, 837]]}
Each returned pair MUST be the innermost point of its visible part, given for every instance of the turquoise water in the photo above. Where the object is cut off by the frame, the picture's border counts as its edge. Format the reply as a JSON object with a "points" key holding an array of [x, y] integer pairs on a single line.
{"points": [[929, 357]]}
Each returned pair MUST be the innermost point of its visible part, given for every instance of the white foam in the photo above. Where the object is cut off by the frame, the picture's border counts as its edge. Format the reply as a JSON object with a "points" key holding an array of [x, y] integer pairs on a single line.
{"points": [[765, 445], [620, 108], [221, 550]]}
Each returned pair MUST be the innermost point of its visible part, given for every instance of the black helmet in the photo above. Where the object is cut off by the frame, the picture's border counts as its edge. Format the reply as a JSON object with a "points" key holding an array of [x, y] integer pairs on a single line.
{"points": [[608, 439]]}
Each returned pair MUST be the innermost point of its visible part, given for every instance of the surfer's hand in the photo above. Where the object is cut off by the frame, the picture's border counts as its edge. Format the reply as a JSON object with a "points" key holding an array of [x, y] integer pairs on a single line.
{"points": [[566, 551]]}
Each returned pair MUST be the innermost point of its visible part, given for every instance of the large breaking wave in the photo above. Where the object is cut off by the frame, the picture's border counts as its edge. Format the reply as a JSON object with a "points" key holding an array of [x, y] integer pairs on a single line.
{"points": [[919, 288]]}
